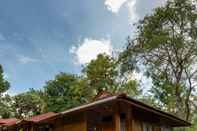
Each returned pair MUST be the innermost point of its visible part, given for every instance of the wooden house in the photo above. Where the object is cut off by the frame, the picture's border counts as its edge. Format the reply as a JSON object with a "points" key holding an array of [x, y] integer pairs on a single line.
{"points": [[106, 113]]}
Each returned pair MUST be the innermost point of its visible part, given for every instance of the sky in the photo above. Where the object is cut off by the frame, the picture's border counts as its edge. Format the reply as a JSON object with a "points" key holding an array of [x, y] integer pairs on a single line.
{"points": [[40, 38]]}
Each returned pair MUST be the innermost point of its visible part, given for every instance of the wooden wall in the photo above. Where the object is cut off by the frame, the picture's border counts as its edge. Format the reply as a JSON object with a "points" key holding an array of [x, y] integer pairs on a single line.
{"points": [[79, 123], [132, 122], [76, 124], [136, 121], [105, 127], [138, 125]]}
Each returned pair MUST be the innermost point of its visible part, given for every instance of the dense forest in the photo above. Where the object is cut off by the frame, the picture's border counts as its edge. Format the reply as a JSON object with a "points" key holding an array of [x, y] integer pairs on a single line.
{"points": [[164, 50]]}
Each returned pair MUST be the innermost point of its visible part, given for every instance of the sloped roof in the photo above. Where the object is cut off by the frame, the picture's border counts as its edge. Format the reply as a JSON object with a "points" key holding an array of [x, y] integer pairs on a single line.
{"points": [[42, 117], [8, 122], [99, 100], [102, 99], [13, 122]]}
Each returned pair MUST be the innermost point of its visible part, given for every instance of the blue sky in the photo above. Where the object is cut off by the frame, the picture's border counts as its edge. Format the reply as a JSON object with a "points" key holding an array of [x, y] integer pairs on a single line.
{"points": [[40, 38]]}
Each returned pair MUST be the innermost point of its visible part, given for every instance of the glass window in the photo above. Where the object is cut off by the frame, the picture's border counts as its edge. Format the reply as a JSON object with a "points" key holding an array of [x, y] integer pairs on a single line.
{"points": [[147, 127], [166, 129], [122, 125]]}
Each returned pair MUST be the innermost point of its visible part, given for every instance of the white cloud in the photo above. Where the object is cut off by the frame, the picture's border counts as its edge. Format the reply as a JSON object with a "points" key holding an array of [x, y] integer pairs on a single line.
{"points": [[25, 59], [89, 49], [133, 17], [114, 5], [160, 3], [145, 82]]}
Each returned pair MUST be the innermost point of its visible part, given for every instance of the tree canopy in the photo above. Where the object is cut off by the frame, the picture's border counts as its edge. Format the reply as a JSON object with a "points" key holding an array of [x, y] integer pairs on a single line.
{"points": [[5, 109], [64, 92], [103, 74], [28, 104], [4, 84], [166, 44]]}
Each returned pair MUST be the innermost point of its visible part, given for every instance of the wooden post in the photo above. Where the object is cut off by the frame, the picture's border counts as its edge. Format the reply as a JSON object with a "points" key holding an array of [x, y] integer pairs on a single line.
{"points": [[117, 120], [31, 128], [129, 118], [132, 120], [85, 123]]}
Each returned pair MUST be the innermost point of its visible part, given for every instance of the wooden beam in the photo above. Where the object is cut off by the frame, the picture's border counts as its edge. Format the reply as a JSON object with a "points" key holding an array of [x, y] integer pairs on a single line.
{"points": [[156, 111], [129, 118], [85, 122], [117, 120]]}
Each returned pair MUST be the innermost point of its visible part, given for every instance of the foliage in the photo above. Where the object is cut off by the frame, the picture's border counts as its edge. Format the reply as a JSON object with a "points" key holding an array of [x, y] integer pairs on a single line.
{"points": [[67, 90], [64, 92], [5, 110], [166, 45], [194, 126], [101, 73], [131, 88], [4, 85], [28, 104]]}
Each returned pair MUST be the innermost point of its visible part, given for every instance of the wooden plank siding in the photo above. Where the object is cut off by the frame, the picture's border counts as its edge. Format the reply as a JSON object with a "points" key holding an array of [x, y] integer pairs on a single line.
{"points": [[116, 121], [105, 127], [129, 118], [79, 124]]}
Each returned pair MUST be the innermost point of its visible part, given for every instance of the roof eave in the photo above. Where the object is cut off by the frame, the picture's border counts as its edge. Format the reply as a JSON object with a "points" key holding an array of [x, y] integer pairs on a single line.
{"points": [[182, 123], [90, 105]]}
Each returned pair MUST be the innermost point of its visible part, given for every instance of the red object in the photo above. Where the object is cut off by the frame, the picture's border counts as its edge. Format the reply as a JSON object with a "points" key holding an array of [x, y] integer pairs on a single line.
{"points": [[8, 122], [43, 117]]}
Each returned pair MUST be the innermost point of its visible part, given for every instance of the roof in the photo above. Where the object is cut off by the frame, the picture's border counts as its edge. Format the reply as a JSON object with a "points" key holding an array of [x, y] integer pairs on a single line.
{"points": [[42, 117], [12, 122], [99, 100], [138, 104], [131, 101], [8, 122]]}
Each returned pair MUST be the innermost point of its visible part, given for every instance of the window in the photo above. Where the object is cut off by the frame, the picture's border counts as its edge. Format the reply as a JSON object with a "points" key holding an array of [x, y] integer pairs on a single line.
{"points": [[147, 127], [166, 129], [122, 125], [122, 122]]}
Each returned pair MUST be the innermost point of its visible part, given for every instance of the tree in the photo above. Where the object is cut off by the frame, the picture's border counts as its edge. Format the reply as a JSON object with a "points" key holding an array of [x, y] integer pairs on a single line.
{"points": [[5, 109], [4, 85], [64, 92], [131, 88], [28, 104], [102, 74], [166, 44], [67, 90]]}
